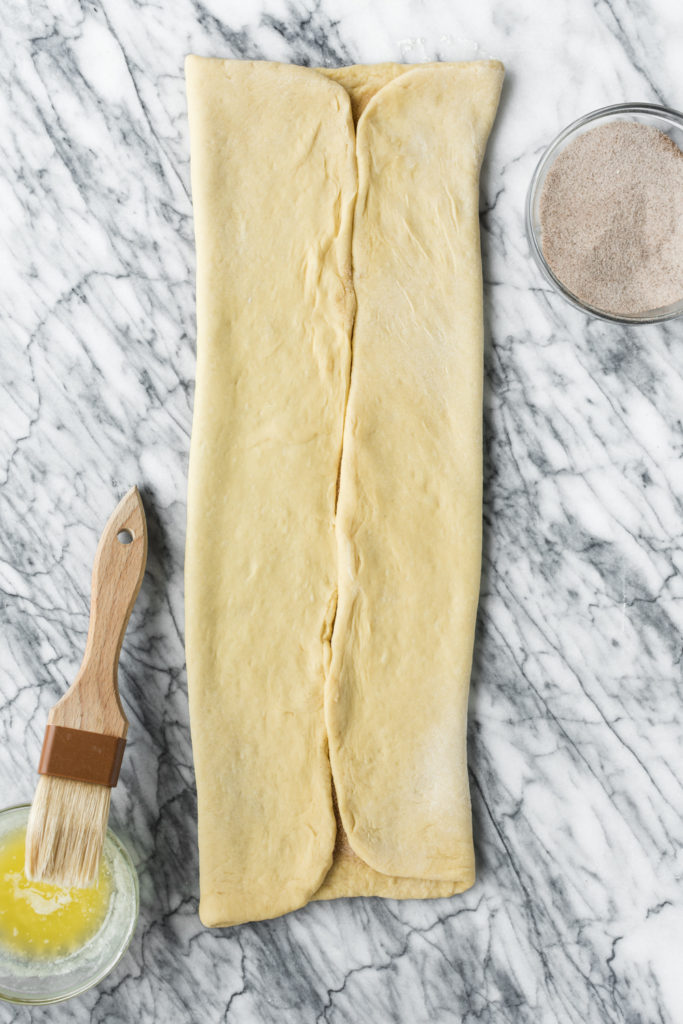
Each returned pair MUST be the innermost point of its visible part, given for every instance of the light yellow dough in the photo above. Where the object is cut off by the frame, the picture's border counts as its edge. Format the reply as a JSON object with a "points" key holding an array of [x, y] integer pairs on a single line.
{"points": [[409, 514], [273, 181], [287, 200]]}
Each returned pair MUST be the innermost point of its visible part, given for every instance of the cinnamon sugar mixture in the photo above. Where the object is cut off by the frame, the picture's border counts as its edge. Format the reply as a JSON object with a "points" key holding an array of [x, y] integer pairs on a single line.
{"points": [[611, 214]]}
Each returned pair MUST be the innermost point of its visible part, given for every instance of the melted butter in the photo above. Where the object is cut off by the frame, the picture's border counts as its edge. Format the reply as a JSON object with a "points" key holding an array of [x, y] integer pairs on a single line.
{"points": [[43, 921]]}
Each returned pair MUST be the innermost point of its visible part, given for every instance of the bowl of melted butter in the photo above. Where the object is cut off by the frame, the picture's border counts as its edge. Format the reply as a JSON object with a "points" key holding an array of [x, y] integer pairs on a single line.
{"points": [[55, 943]]}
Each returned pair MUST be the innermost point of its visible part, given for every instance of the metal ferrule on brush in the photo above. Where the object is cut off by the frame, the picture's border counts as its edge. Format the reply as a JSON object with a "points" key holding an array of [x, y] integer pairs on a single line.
{"points": [[81, 756]]}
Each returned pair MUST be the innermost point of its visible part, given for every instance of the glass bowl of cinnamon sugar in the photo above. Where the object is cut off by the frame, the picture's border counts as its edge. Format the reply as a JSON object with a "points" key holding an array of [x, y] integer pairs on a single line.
{"points": [[604, 213]]}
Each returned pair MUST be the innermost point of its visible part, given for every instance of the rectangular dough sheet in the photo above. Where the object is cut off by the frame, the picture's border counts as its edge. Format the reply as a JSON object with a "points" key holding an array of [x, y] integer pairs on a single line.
{"points": [[334, 501]]}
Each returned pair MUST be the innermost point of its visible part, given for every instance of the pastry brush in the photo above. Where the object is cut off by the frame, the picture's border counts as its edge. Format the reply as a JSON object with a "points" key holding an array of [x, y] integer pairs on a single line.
{"points": [[86, 731]]}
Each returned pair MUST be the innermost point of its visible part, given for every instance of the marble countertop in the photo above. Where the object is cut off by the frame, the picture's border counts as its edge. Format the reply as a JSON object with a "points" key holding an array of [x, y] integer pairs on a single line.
{"points": [[575, 724]]}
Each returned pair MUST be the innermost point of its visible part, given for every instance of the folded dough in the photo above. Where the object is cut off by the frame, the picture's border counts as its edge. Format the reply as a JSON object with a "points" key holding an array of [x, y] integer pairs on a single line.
{"points": [[287, 198]]}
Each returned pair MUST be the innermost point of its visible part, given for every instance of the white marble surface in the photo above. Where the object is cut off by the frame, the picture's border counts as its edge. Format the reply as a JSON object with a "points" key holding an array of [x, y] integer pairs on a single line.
{"points": [[576, 723]]}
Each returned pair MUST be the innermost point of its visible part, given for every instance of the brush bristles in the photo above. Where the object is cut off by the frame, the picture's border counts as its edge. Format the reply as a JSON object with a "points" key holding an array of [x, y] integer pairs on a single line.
{"points": [[65, 832]]}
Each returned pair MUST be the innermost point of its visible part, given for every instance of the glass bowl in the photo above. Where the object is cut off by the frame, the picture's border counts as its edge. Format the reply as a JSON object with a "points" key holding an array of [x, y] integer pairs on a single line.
{"points": [[49, 981], [668, 121]]}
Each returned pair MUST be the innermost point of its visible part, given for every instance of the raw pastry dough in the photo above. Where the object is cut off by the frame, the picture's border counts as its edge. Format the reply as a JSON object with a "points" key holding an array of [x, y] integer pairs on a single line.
{"points": [[274, 169], [409, 515], [274, 181]]}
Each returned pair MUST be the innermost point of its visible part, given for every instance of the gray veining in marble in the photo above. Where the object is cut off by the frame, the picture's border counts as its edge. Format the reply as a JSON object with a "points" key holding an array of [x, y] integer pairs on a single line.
{"points": [[576, 730]]}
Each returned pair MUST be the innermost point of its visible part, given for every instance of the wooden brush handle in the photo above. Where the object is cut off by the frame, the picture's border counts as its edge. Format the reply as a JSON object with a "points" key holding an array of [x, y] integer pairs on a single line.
{"points": [[92, 701]]}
